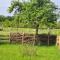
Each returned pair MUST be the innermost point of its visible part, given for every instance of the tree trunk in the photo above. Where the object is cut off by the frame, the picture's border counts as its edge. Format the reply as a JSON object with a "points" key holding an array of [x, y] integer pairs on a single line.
{"points": [[37, 34], [37, 29]]}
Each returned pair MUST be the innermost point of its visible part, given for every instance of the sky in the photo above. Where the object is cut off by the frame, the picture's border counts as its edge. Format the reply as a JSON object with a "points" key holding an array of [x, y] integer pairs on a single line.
{"points": [[4, 4]]}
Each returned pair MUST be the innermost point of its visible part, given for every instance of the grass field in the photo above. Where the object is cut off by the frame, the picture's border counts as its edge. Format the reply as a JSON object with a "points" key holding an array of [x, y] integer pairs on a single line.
{"points": [[6, 31], [14, 52]]}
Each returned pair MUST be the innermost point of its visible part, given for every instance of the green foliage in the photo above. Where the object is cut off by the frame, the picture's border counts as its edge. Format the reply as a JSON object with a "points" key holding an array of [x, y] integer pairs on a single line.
{"points": [[58, 24], [15, 5], [34, 13], [6, 23], [2, 18]]}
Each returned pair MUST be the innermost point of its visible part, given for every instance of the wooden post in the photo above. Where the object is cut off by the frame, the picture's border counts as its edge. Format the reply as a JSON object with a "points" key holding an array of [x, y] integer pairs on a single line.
{"points": [[48, 35], [10, 37], [34, 41], [48, 39], [58, 41], [22, 38]]}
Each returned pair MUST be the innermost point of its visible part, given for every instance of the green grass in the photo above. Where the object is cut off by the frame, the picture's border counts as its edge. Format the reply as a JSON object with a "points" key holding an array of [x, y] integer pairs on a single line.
{"points": [[6, 31], [14, 52]]}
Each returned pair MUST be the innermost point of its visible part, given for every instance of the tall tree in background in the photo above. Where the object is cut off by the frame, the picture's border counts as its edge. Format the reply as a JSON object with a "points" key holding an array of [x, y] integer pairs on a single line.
{"points": [[34, 12]]}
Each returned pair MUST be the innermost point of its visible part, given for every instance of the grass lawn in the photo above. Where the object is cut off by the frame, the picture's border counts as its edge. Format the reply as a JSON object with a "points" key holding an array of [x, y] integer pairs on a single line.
{"points": [[15, 52]]}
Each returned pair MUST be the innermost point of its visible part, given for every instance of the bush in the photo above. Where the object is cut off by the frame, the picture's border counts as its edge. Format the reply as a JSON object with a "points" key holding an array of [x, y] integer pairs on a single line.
{"points": [[1, 28]]}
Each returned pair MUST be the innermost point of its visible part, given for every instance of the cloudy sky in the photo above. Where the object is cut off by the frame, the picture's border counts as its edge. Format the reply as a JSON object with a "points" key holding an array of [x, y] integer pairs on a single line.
{"points": [[4, 4]]}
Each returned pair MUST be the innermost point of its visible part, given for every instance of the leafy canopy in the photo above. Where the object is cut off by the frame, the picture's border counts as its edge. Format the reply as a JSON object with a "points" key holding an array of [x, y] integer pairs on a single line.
{"points": [[35, 12]]}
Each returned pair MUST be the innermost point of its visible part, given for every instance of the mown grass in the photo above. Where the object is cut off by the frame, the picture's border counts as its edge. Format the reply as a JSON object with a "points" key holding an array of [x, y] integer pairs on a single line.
{"points": [[15, 52]]}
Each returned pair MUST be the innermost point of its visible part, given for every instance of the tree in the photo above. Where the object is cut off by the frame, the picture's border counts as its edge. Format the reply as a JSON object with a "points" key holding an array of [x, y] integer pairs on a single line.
{"points": [[2, 18], [35, 12]]}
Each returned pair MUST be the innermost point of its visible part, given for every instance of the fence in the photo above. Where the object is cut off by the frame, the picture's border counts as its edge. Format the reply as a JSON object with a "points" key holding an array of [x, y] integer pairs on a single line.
{"points": [[41, 39], [8, 35]]}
